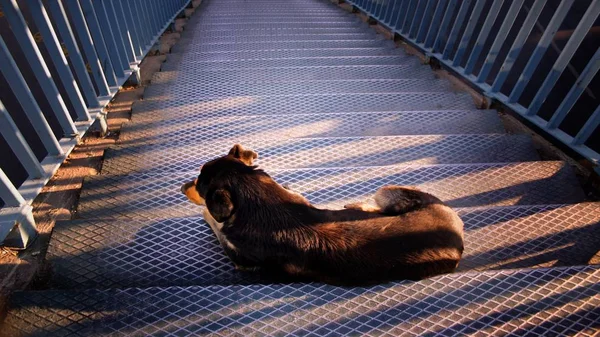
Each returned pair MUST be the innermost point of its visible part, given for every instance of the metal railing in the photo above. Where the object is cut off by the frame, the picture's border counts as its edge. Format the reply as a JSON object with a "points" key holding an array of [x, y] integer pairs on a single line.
{"points": [[61, 62], [511, 50]]}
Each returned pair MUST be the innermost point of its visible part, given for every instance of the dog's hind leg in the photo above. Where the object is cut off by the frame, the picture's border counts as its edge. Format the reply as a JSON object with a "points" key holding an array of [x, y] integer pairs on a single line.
{"points": [[394, 200]]}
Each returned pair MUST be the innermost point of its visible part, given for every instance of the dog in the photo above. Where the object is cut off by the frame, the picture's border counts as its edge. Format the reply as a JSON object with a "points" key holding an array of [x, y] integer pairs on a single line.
{"points": [[406, 234]]}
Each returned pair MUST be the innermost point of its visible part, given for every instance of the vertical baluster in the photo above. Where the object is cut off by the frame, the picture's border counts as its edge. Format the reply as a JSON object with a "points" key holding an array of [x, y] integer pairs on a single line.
{"points": [[98, 41], [435, 23], [18, 145], [60, 20], [38, 66], [426, 22], [483, 35], [88, 47], [125, 34], [567, 53], [468, 34], [133, 28], [417, 19], [117, 54], [581, 84], [38, 12], [541, 48], [11, 73], [462, 14], [509, 20], [588, 128], [444, 26]]}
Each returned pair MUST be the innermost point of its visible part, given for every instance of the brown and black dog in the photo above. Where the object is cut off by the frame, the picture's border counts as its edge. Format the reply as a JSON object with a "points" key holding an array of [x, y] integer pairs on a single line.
{"points": [[261, 225]]}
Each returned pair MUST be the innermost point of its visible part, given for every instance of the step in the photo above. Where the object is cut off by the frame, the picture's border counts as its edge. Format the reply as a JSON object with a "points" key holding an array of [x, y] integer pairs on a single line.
{"points": [[281, 23], [251, 21], [112, 253], [163, 157], [277, 31], [173, 63], [190, 107], [181, 46], [544, 302], [232, 89], [200, 128], [284, 38], [460, 185], [285, 53]]}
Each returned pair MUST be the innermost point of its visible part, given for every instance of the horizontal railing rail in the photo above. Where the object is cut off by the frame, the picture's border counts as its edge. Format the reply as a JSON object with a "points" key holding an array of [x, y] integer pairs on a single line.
{"points": [[536, 57], [61, 62]]}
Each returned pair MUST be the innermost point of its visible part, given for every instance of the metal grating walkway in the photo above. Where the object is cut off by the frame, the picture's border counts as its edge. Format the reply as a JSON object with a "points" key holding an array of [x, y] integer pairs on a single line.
{"points": [[336, 112]]}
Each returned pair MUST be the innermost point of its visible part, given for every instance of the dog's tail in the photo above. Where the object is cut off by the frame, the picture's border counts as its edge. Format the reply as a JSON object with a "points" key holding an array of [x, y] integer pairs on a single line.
{"points": [[396, 200]]}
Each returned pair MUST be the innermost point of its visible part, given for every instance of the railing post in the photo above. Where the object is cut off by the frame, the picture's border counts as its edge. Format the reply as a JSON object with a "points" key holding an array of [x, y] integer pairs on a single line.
{"points": [[98, 42], [133, 29], [565, 56], [582, 82], [483, 35], [88, 47], [468, 34], [517, 45], [444, 25], [460, 18], [38, 66], [11, 72], [19, 146], [590, 126], [9, 193], [60, 20], [125, 37], [435, 23], [38, 12], [117, 55]]}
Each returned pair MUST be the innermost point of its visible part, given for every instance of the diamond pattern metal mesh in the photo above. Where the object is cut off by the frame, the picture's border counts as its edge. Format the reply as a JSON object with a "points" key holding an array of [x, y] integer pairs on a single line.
{"points": [[190, 107], [225, 89], [288, 53], [540, 302], [291, 62], [201, 128], [290, 44], [183, 251], [324, 152], [464, 185], [339, 72]]}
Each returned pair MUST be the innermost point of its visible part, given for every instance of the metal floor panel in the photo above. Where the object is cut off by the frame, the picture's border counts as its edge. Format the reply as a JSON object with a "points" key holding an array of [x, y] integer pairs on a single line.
{"points": [[164, 157], [286, 53], [229, 128], [277, 31], [388, 60], [230, 89], [283, 38], [460, 185], [301, 73], [111, 253], [328, 44], [191, 107], [251, 21], [540, 302]]}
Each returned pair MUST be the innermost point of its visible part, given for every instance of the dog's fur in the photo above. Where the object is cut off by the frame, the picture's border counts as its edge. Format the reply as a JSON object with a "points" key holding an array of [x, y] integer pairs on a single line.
{"points": [[261, 225]]}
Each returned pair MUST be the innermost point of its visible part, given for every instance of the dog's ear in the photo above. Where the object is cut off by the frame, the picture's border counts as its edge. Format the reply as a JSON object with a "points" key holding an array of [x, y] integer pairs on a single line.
{"points": [[246, 156], [220, 204], [190, 191]]}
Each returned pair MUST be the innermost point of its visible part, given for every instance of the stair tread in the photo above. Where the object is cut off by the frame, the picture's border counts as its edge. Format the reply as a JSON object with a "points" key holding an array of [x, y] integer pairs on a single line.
{"points": [[161, 157], [200, 127], [460, 185], [287, 88], [179, 251], [243, 46], [557, 301], [194, 107], [282, 53], [173, 63]]}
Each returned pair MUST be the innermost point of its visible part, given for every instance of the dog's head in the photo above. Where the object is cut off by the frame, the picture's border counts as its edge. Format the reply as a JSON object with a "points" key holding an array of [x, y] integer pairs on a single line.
{"points": [[214, 187]]}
